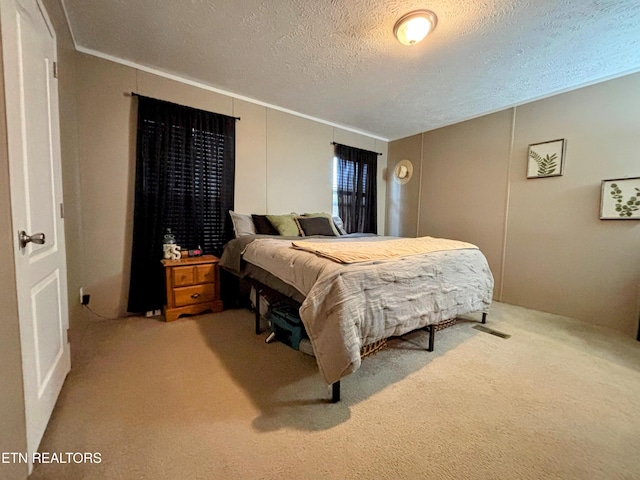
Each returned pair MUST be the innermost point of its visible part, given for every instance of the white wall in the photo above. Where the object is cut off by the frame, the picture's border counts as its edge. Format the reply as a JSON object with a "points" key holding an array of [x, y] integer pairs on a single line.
{"points": [[560, 257], [299, 164], [283, 164], [402, 199], [543, 238]]}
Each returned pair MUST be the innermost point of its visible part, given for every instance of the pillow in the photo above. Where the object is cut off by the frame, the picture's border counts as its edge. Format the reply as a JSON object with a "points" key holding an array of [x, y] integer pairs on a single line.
{"points": [[315, 226], [337, 222], [285, 224], [263, 225], [325, 215], [242, 224]]}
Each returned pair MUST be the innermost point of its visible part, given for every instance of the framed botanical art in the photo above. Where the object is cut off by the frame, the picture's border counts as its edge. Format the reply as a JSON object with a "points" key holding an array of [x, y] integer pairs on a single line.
{"points": [[620, 199], [546, 159]]}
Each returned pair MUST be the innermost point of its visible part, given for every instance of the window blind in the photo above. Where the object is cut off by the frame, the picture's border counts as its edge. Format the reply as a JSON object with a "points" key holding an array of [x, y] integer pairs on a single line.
{"points": [[185, 168], [356, 191]]}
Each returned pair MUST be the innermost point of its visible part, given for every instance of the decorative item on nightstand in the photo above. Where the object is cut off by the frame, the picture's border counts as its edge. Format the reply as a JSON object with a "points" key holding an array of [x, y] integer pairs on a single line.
{"points": [[192, 286], [170, 250]]}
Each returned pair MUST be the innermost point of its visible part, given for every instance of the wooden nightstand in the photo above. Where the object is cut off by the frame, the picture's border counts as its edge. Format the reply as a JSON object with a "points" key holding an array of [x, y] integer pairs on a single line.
{"points": [[193, 286]]}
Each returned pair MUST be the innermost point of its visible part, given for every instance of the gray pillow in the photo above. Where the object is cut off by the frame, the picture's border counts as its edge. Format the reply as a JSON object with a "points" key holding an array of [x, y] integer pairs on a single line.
{"points": [[325, 215], [263, 225], [242, 224], [315, 226]]}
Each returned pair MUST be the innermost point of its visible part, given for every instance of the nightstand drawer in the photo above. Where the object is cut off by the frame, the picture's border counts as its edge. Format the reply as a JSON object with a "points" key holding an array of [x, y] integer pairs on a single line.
{"points": [[183, 276], [205, 273], [195, 294]]}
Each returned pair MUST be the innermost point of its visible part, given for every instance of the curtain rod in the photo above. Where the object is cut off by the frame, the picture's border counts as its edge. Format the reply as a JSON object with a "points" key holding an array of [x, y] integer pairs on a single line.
{"points": [[336, 143], [134, 94]]}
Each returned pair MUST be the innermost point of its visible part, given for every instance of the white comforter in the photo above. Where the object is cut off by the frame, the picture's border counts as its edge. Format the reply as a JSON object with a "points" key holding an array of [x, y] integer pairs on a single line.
{"points": [[349, 306]]}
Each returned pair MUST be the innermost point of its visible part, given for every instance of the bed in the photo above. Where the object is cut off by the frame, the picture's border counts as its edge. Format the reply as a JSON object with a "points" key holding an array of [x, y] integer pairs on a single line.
{"points": [[351, 298]]}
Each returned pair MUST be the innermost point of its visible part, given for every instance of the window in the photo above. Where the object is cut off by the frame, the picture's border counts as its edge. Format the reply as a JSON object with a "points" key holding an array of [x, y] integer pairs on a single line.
{"points": [[185, 166], [354, 188], [334, 187]]}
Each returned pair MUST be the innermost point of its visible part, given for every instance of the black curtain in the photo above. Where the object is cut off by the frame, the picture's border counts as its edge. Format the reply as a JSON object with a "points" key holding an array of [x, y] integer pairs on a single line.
{"points": [[356, 188], [185, 168]]}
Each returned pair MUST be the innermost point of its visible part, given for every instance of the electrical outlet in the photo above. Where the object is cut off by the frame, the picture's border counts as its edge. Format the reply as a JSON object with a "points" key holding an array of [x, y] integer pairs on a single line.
{"points": [[157, 312], [81, 295], [149, 313]]}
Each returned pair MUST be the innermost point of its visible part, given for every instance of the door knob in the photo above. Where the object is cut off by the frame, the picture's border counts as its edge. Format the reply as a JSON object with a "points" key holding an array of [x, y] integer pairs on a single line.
{"points": [[35, 238]]}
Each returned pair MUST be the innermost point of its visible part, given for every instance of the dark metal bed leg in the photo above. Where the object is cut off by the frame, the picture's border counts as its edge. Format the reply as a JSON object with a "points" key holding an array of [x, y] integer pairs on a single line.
{"points": [[257, 311], [335, 392], [484, 317], [432, 334]]}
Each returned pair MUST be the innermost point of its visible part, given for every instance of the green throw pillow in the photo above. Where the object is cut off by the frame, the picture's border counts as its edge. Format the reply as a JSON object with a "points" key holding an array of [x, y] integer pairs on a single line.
{"points": [[285, 224]]}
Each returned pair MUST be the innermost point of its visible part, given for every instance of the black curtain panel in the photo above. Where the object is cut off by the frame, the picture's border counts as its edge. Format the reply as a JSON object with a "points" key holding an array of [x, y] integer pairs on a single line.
{"points": [[185, 168], [356, 188]]}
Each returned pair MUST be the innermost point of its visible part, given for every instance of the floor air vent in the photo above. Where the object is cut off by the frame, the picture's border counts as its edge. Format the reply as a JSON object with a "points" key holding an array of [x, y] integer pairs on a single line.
{"points": [[484, 329]]}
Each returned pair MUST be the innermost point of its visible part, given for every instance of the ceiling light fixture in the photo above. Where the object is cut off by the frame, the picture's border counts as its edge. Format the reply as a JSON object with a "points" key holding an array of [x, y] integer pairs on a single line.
{"points": [[414, 26]]}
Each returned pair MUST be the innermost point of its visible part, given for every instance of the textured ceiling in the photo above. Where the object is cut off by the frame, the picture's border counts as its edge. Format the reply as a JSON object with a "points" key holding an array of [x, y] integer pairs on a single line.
{"points": [[337, 60]]}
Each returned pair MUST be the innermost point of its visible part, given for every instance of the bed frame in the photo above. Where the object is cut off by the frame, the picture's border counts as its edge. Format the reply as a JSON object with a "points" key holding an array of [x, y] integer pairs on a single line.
{"points": [[262, 289]]}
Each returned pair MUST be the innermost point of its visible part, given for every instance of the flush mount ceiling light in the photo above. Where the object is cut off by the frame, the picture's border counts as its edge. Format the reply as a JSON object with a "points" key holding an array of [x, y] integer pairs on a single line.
{"points": [[414, 26]]}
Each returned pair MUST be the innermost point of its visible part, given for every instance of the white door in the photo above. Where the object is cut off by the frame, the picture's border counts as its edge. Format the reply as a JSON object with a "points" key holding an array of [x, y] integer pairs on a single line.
{"points": [[31, 94]]}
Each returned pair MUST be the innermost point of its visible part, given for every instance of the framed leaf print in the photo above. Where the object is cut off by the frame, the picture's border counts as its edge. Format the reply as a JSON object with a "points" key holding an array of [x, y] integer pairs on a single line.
{"points": [[620, 199], [546, 159]]}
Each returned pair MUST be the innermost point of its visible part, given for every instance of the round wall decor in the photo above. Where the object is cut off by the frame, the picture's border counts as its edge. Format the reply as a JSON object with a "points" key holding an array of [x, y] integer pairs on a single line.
{"points": [[403, 171]]}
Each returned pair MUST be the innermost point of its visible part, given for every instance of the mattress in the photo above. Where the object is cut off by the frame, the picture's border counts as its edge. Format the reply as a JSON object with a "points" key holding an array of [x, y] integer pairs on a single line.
{"points": [[348, 306]]}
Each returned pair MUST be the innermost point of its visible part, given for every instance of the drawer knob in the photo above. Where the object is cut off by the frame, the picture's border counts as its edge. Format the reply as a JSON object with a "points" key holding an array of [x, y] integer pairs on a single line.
{"points": [[195, 295]]}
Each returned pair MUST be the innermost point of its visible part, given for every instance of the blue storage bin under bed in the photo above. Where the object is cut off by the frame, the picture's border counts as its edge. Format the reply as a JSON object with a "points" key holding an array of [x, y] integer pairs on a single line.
{"points": [[286, 325]]}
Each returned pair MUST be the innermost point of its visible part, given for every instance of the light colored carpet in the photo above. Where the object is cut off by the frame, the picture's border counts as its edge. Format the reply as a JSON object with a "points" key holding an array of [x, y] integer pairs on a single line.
{"points": [[205, 398]]}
